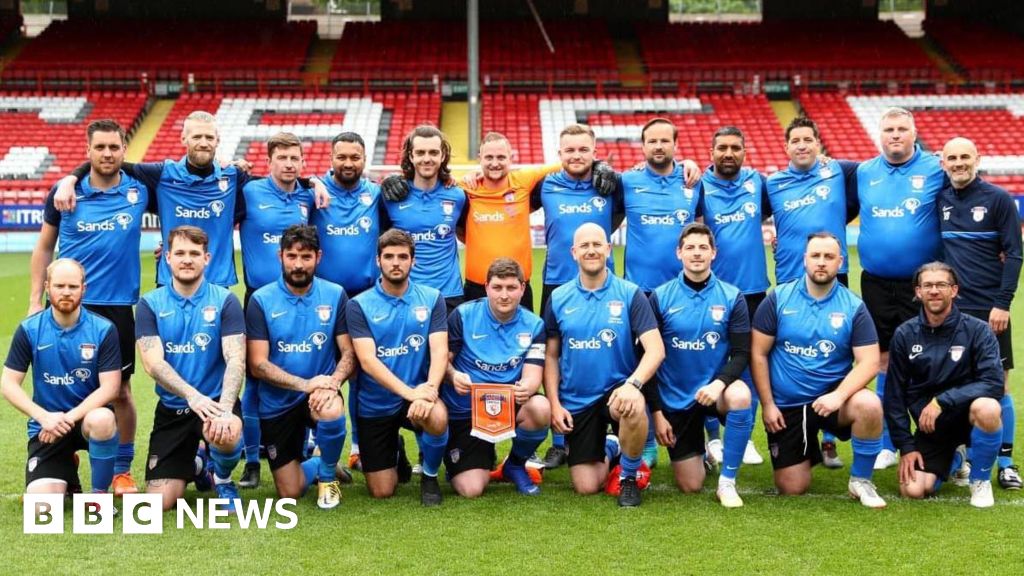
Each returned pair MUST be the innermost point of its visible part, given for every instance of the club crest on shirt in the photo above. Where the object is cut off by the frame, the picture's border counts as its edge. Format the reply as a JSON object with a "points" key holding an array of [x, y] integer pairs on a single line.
{"points": [[132, 195], [365, 199], [304, 210], [717, 313], [825, 172], [956, 353], [421, 313], [222, 184], [324, 313], [510, 196], [615, 310], [448, 207], [687, 192], [88, 351], [917, 182], [209, 314], [524, 339], [978, 213], [749, 186], [837, 319]]}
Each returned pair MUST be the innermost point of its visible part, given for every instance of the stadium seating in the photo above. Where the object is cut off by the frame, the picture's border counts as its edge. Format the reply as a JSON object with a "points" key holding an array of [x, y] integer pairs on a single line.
{"points": [[722, 51], [982, 51], [532, 123], [246, 121], [849, 125], [583, 51], [44, 137], [166, 49]]}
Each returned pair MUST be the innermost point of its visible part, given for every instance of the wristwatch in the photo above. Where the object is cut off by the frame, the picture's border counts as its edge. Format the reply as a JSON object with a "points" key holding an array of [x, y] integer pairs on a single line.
{"points": [[635, 382]]}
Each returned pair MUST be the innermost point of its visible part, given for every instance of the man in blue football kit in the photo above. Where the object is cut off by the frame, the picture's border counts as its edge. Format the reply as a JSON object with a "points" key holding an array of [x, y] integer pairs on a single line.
{"points": [[349, 227], [300, 353], [76, 370], [493, 340], [806, 197], [813, 351], [271, 205], [191, 336], [431, 212], [399, 331], [981, 240], [592, 375], [945, 374], [706, 331], [899, 231], [733, 203], [103, 235]]}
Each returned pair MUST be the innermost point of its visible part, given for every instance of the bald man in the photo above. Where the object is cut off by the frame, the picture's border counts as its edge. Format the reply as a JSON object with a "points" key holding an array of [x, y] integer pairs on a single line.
{"points": [[981, 240], [592, 375]]}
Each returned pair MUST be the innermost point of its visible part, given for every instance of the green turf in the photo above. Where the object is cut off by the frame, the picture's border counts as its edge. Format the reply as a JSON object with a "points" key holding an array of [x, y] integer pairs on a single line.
{"points": [[557, 532]]}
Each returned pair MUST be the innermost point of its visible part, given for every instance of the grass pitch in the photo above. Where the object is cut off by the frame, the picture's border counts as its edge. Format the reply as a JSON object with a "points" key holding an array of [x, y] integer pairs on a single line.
{"points": [[823, 532]]}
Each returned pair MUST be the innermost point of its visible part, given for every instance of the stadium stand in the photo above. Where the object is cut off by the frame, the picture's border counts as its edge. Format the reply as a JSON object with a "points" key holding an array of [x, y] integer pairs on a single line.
{"points": [[982, 52], [583, 51], [9, 25], [532, 123], [247, 120], [992, 121], [721, 52], [44, 137]]}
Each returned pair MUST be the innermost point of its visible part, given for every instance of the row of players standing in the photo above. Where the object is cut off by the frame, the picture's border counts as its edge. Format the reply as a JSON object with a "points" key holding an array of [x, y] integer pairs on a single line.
{"points": [[808, 196]]}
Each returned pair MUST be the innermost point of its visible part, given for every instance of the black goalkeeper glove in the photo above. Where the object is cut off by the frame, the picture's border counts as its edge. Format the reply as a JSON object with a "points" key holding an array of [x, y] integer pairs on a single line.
{"points": [[604, 178], [394, 188]]}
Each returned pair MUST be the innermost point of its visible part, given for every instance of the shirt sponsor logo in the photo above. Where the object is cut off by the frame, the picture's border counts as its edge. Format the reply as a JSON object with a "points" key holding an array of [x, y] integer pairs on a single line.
{"points": [[80, 374], [361, 226], [122, 219], [910, 204], [822, 347], [583, 208], [318, 339], [808, 200], [439, 232], [212, 210], [510, 364], [604, 338], [413, 343], [269, 238], [707, 339], [202, 340], [488, 217]]}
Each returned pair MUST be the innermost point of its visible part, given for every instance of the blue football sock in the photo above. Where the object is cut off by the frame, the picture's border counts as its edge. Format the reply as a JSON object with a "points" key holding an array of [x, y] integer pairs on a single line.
{"points": [[865, 451], [102, 454], [1009, 429], [433, 451], [353, 408], [630, 466], [827, 436], [330, 435], [880, 390], [125, 455], [738, 424], [224, 462], [713, 427], [251, 439], [651, 441], [612, 450], [310, 468], [525, 444], [984, 446], [558, 440]]}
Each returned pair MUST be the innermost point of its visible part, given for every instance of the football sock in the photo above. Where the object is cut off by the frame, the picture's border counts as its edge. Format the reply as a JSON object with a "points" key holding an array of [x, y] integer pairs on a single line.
{"points": [[251, 438], [125, 455], [713, 427], [738, 424], [1009, 429], [101, 458], [880, 390], [419, 442], [224, 462], [433, 451], [629, 466], [558, 440], [330, 434], [525, 444], [612, 450], [984, 446], [309, 471], [353, 407], [827, 436], [865, 451]]}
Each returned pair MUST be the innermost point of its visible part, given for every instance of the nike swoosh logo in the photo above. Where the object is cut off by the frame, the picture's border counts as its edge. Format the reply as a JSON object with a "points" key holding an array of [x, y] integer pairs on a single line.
{"points": [[479, 336], [379, 318], [166, 314], [403, 206], [558, 188], [274, 315], [44, 346], [79, 197], [676, 309], [265, 206], [571, 310], [783, 185], [786, 312], [875, 182], [915, 355], [639, 190]]}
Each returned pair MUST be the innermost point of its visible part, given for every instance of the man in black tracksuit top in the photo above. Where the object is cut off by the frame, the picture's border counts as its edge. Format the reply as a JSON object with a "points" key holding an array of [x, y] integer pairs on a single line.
{"points": [[981, 240], [944, 373]]}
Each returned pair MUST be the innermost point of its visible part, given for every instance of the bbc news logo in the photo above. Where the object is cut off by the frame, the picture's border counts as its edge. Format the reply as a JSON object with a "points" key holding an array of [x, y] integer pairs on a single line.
{"points": [[143, 514]]}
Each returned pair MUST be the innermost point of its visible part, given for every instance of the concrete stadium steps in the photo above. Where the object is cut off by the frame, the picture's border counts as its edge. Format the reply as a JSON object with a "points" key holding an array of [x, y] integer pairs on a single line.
{"points": [[147, 130], [455, 125]]}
